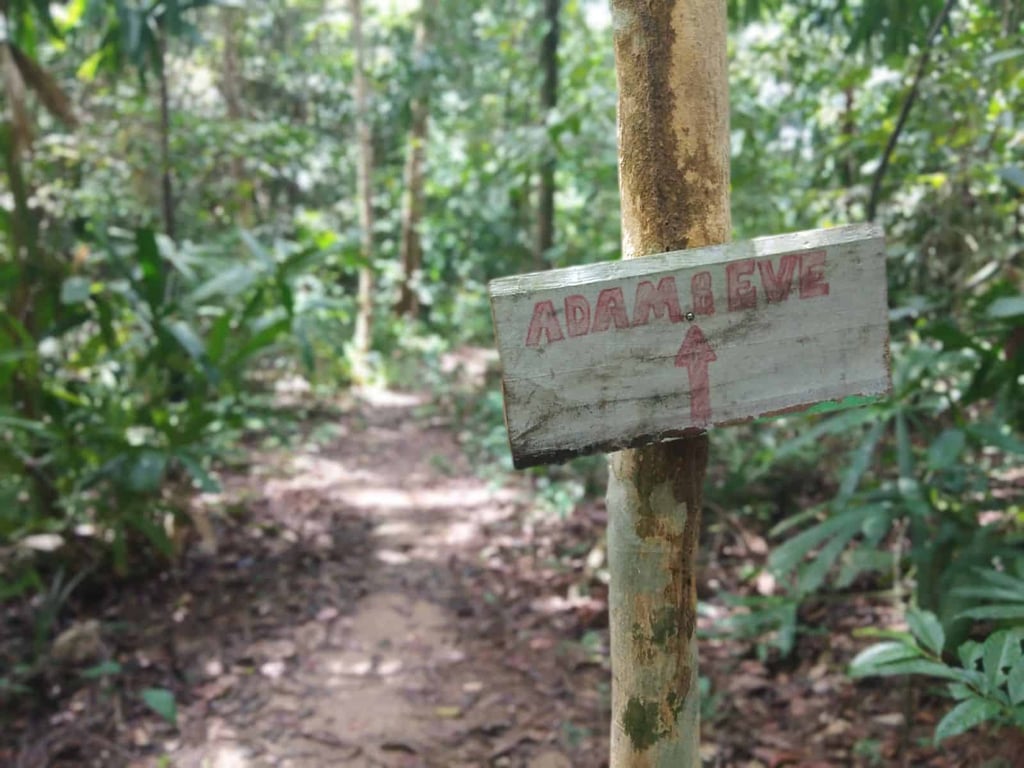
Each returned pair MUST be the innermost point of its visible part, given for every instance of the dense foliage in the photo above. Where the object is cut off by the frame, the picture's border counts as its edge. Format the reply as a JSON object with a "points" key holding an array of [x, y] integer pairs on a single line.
{"points": [[179, 223]]}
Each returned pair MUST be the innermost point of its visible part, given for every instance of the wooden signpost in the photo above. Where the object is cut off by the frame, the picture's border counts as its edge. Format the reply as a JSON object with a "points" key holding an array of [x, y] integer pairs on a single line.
{"points": [[625, 353], [636, 353]]}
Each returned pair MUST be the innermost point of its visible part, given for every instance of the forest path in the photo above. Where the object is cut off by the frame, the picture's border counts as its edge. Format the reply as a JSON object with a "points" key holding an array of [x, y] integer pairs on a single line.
{"points": [[373, 602], [367, 635]]}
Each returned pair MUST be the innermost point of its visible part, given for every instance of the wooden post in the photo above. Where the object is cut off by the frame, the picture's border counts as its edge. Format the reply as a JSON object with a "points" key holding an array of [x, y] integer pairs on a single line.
{"points": [[673, 118], [628, 354]]}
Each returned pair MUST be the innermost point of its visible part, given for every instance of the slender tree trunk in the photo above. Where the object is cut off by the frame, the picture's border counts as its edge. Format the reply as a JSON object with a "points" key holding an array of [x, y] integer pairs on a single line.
{"points": [[548, 101], [412, 198], [231, 90], [908, 103], [167, 179], [364, 313], [673, 117], [25, 301], [848, 163]]}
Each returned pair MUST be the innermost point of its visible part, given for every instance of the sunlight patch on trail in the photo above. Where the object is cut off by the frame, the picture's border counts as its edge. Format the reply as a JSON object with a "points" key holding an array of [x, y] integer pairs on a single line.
{"points": [[388, 398], [383, 498]]}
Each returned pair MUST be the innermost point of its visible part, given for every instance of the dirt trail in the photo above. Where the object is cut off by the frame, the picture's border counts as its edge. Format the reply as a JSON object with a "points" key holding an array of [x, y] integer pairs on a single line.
{"points": [[373, 602], [371, 647]]}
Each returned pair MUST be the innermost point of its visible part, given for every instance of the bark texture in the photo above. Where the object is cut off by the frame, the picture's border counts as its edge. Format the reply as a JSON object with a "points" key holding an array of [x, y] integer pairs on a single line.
{"points": [[412, 198], [364, 312], [674, 183], [548, 101], [231, 79], [166, 167]]}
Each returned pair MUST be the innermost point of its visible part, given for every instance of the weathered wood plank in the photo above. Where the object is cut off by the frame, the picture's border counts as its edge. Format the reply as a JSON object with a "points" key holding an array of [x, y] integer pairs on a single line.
{"points": [[623, 353]]}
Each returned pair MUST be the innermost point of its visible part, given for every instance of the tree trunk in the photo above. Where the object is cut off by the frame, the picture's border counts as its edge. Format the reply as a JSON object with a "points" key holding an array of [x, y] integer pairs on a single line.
{"points": [[33, 269], [364, 313], [167, 178], [548, 101], [412, 199], [673, 114], [875, 197], [231, 89]]}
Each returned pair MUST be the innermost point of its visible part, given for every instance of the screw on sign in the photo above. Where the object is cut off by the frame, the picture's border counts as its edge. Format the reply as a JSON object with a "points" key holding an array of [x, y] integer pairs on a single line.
{"points": [[591, 355]]}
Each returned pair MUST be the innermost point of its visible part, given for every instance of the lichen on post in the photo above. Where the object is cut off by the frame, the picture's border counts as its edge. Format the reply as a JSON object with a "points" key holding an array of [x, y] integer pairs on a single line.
{"points": [[673, 118]]}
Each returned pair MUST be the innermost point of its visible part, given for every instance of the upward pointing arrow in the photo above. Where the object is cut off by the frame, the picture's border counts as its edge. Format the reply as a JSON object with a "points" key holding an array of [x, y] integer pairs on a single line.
{"points": [[694, 355]]}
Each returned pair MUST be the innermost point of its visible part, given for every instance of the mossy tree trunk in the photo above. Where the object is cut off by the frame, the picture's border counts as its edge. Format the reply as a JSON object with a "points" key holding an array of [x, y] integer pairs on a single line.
{"points": [[673, 115]]}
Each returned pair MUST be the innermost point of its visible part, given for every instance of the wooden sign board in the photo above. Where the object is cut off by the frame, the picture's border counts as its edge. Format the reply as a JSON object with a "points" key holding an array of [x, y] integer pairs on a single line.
{"points": [[620, 354]]}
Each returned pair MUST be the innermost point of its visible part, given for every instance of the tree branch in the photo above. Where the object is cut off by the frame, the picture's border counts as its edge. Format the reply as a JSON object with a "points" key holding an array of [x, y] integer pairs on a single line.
{"points": [[908, 103]]}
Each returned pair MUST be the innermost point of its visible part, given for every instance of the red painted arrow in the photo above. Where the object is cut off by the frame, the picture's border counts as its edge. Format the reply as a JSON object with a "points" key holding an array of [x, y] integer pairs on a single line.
{"points": [[694, 355]]}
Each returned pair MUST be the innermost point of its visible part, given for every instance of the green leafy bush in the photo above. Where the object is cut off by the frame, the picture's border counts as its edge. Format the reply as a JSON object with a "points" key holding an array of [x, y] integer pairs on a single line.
{"points": [[140, 377], [920, 495], [986, 682]]}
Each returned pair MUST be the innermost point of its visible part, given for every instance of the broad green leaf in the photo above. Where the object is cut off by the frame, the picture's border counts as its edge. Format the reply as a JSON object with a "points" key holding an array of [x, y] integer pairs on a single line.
{"points": [[155, 534], [69, 397], [75, 290], [306, 350], [913, 497], [854, 401], [796, 520], [103, 669], [188, 339], [217, 338], [871, 659], [207, 483], [927, 629], [1001, 651], [151, 264], [146, 471], [1007, 306], [71, 15], [904, 450], [918, 667], [903, 638], [786, 557], [842, 421], [1015, 682], [230, 282], [1011, 174], [106, 321], [1004, 580], [994, 613], [964, 716], [970, 652], [255, 248], [959, 691], [946, 449], [999, 436], [90, 66], [27, 425], [951, 337], [264, 338], [992, 594], [813, 574], [863, 559], [876, 524], [860, 461], [162, 701], [16, 355]]}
